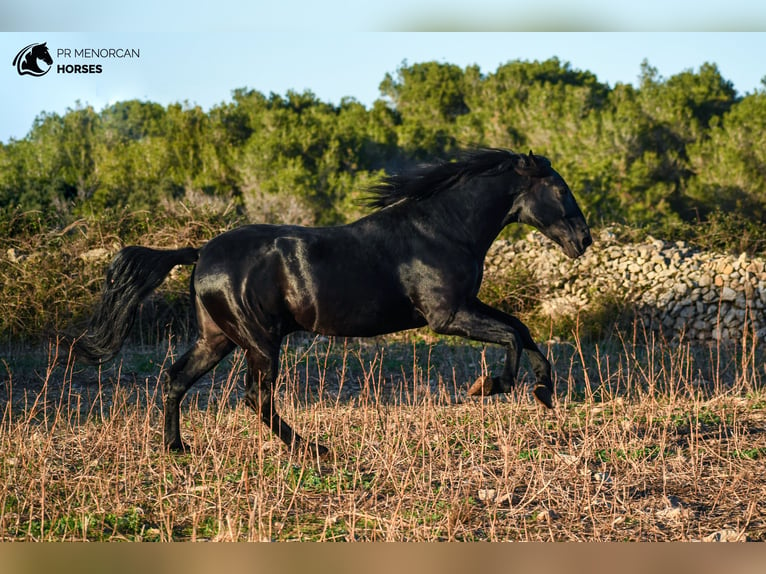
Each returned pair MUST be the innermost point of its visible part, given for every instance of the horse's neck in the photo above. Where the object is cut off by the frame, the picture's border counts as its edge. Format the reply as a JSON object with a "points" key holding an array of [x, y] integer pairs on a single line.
{"points": [[474, 213]]}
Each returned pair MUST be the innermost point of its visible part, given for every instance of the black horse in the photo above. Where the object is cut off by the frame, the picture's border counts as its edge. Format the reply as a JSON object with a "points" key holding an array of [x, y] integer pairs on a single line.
{"points": [[417, 260]]}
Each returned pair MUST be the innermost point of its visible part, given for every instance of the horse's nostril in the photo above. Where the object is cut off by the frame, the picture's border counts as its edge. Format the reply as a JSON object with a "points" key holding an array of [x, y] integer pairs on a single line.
{"points": [[587, 240]]}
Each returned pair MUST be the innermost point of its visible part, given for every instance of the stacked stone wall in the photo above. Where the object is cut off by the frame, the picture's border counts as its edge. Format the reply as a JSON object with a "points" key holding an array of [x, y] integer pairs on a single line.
{"points": [[674, 287]]}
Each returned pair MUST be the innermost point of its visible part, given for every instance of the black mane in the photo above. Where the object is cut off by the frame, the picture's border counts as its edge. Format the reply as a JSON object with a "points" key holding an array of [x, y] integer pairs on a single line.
{"points": [[429, 179]]}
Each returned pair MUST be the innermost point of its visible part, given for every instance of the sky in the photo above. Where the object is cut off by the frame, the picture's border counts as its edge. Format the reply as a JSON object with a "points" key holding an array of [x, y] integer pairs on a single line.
{"points": [[342, 48], [391, 15]]}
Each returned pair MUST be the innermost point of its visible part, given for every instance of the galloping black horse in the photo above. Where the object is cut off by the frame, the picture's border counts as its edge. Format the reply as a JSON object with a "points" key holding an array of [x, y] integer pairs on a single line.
{"points": [[417, 260]]}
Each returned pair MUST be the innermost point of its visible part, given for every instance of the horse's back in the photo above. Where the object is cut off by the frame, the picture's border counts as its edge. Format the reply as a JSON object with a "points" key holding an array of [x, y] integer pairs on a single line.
{"points": [[328, 280]]}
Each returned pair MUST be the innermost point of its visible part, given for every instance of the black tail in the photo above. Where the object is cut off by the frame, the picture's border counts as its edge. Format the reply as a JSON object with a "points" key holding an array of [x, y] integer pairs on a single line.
{"points": [[133, 274]]}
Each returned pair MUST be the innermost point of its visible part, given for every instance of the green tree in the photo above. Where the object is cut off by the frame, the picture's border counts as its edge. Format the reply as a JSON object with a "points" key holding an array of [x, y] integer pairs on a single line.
{"points": [[428, 99], [132, 120], [730, 164], [665, 151], [681, 110]]}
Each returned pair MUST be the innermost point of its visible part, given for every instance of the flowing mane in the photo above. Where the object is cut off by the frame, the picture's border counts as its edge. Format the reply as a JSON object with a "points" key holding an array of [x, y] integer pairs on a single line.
{"points": [[429, 179]]}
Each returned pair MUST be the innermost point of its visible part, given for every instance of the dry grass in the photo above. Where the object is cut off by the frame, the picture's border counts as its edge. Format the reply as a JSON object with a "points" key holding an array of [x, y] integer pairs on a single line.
{"points": [[651, 440], [51, 271]]}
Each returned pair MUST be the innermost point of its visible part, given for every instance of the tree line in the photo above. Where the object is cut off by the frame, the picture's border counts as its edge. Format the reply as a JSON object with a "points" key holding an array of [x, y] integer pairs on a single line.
{"points": [[666, 151]]}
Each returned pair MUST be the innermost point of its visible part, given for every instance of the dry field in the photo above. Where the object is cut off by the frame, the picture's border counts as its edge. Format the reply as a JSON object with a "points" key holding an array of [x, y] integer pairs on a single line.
{"points": [[651, 440]]}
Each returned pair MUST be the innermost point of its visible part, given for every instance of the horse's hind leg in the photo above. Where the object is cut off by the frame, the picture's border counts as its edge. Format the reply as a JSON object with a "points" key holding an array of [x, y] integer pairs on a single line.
{"points": [[211, 346], [259, 394]]}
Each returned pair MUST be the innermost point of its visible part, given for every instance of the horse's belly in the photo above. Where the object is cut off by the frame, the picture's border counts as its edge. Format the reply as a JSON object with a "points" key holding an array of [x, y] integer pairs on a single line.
{"points": [[366, 324], [342, 313]]}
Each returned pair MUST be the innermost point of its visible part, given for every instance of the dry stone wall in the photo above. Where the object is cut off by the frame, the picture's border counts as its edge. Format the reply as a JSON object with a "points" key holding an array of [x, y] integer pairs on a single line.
{"points": [[672, 286]]}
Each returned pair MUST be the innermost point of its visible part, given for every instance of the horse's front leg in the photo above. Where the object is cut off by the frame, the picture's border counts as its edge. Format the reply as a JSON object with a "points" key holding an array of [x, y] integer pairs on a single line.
{"points": [[541, 367], [481, 322]]}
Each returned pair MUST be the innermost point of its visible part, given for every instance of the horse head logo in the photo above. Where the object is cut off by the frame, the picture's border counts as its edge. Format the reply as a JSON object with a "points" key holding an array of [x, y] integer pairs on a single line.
{"points": [[27, 60]]}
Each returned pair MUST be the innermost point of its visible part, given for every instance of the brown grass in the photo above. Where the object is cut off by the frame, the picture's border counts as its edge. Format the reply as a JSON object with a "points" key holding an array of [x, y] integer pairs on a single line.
{"points": [[52, 271], [651, 440]]}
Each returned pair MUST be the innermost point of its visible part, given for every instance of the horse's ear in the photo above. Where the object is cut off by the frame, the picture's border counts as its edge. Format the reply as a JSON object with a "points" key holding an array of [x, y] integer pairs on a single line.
{"points": [[526, 165], [532, 165]]}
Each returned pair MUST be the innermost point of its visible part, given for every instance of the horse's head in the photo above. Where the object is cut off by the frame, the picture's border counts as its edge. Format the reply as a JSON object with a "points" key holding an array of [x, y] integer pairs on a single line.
{"points": [[26, 60], [41, 52], [547, 203]]}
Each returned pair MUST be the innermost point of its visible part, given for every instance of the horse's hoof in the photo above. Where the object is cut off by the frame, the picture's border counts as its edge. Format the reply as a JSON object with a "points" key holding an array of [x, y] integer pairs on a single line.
{"points": [[178, 447], [481, 387], [544, 395], [485, 385], [320, 451]]}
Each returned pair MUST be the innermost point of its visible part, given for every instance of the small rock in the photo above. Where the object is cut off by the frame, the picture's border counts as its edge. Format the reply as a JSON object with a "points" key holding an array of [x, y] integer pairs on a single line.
{"points": [[709, 296], [687, 312], [602, 477], [546, 515], [675, 510], [487, 494], [728, 294], [566, 458], [15, 256], [726, 535], [490, 495], [94, 255]]}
